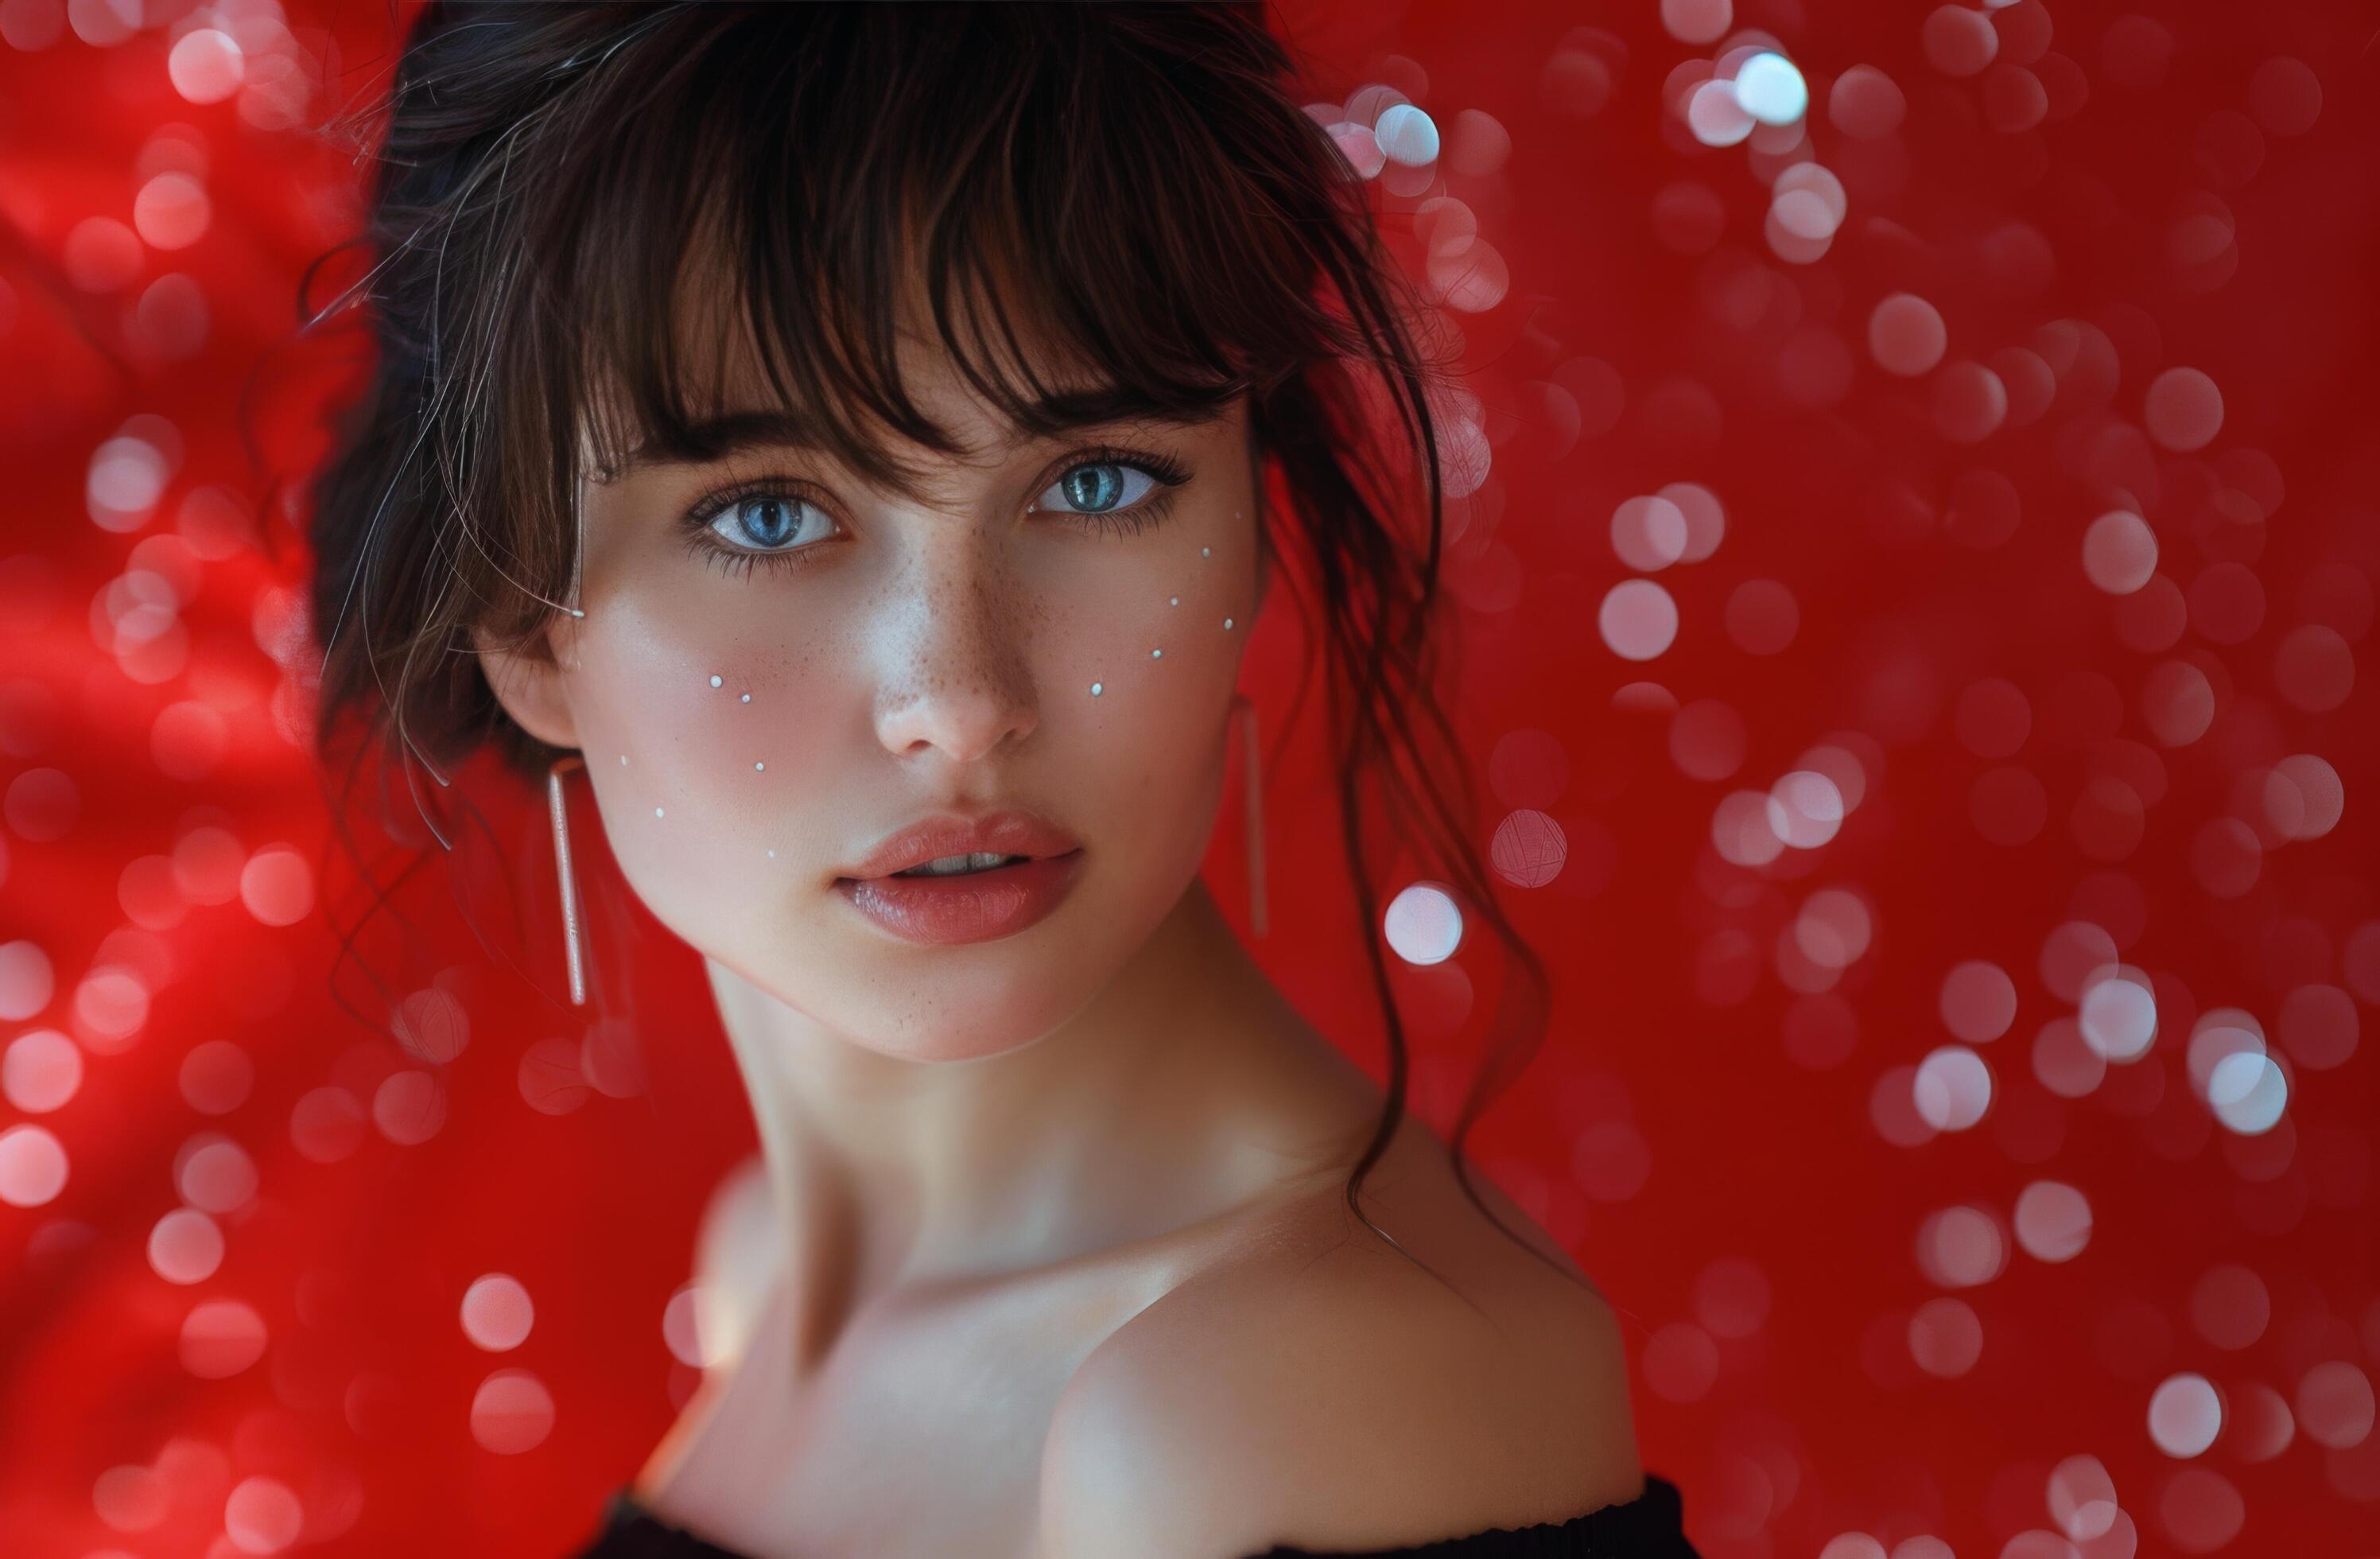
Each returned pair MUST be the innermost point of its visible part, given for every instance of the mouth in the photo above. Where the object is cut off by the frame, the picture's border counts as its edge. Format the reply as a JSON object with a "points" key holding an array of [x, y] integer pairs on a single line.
{"points": [[984, 868], [967, 867], [961, 847], [973, 897], [979, 864]]}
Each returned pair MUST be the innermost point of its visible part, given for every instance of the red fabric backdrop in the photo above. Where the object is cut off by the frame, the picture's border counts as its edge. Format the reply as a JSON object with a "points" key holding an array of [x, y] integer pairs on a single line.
{"points": [[1788, 493]]}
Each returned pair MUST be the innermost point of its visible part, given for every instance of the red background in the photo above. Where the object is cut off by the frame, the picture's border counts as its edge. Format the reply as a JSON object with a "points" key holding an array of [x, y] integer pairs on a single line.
{"points": [[1723, 1126]]}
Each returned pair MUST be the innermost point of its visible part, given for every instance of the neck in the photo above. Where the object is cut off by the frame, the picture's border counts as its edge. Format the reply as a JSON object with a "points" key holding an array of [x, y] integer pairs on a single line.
{"points": [[1185, 1087]]}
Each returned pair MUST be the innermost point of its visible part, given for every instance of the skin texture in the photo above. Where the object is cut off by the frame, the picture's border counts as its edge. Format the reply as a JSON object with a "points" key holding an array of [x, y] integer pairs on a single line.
{"points": [[1105, 1137]]}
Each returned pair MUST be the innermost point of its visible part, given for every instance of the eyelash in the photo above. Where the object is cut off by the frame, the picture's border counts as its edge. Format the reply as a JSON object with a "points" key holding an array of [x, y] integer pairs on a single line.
{"points": [[1170, 475]]}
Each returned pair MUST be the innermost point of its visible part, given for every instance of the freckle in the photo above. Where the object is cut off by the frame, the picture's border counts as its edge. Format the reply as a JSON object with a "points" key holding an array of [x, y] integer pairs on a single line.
{"points": [[1226, 624], [714, 682], [1095, 689]]}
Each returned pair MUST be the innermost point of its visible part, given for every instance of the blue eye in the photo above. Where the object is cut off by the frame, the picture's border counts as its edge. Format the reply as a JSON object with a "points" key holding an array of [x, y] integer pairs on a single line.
{"points": [[1100, 492], [758, 522], [764, 521], [1099, 487]]}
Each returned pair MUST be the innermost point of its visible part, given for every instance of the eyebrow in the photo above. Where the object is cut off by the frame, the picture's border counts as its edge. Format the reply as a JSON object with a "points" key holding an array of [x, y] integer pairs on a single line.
{"points": [[716, 438]]}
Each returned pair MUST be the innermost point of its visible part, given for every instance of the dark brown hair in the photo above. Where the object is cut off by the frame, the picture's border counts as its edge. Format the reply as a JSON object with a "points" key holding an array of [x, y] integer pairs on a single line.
{"points": [[1137, 179]]}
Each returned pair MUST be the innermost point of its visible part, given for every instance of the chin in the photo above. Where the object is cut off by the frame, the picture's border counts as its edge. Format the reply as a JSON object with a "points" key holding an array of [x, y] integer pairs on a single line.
{"points": [[973, 1013]]}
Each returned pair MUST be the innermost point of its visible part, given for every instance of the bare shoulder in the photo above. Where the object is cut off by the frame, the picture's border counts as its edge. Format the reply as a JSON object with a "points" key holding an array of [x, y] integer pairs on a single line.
{"points": [[1317, 1388]]}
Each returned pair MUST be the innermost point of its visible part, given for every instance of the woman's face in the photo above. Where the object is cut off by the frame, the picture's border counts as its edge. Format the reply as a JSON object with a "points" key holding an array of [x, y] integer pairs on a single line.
{"points": [[780, 666]]}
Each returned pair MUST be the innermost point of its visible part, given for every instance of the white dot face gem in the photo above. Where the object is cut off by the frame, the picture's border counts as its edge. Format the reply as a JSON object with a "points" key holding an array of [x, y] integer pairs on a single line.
{"points": [[1095, 689], [1177, 600], [1202, 552], [747, 697], [1227, 623], [1156, 654], [624, 759], [657, 811], [714, 682], [757, 767], [772, 855]]}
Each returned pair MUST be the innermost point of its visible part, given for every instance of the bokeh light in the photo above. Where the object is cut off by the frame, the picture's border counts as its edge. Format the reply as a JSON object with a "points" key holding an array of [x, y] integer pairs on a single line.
{"points": [[1906, 566]]}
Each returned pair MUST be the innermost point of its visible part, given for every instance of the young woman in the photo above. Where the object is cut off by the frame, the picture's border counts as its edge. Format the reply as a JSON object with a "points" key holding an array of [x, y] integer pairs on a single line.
{"points": [[854, 446]]}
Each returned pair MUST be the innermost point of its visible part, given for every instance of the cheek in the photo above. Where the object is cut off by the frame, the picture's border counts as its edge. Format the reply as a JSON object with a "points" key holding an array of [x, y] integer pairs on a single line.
{"points": [[1153, 641], [706, 743], [1155, 631]]}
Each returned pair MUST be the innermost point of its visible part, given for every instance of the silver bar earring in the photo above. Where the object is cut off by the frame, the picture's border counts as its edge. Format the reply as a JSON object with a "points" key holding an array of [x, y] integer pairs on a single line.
{"points": [[555, 805]]}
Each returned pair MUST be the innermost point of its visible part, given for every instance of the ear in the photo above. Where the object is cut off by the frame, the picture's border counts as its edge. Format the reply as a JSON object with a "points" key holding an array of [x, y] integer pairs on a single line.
{"points": [[528, 684]]}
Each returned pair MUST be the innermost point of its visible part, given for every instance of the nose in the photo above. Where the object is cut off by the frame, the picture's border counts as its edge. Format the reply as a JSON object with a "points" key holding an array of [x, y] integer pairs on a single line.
{"points": [[960, 681]]}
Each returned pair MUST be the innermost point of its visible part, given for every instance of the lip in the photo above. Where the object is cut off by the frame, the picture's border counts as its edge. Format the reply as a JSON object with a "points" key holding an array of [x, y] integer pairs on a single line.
{"points": [[980, 906], [948, 834]]}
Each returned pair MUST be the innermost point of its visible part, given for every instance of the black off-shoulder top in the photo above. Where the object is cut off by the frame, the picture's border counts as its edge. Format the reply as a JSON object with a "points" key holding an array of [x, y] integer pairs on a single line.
{"points": [[1651, 1526]]}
